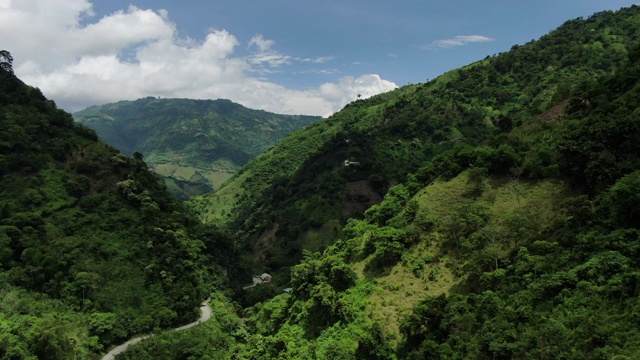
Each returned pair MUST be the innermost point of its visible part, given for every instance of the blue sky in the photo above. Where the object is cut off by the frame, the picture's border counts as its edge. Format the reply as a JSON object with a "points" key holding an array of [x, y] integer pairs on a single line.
{"points": [[279, 55]]}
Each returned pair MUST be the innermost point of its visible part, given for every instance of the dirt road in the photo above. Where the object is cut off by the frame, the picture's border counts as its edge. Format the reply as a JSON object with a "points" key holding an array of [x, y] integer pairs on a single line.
{"points": [[205, 314]]}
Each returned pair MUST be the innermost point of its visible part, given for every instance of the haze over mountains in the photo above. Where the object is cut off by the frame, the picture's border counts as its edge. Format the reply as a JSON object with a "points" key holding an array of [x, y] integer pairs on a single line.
{"points": [[491, 213]]}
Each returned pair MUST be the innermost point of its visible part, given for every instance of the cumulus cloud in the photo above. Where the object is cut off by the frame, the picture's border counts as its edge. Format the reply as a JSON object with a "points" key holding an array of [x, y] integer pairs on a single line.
{"points": [[80, 60], [349, 88], [459, 40]]}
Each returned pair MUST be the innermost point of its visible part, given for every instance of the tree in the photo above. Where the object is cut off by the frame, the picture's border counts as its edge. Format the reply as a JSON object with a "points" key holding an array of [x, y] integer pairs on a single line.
{"points": [[476, 182], [624, 200], [87, 281], [6, 61]]}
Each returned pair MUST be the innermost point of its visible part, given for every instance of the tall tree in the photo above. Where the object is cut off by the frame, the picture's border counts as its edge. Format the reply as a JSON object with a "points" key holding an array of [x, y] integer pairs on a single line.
{"points": [[6, 61]]}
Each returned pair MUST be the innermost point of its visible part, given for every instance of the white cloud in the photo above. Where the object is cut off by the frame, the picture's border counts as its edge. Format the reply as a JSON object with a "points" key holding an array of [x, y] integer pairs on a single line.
{"points": [[349, 88], [324, 101], [459, 40], [79, 60], [318, 60], [272, 59], [328, 71], [261, 43], [266, 55]]}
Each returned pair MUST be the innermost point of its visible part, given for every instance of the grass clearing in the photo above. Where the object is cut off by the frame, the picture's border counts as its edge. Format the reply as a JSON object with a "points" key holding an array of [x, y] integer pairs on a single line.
{"points": [[187, 173], [218, 207], [217, 178], [502, 196], [426, 270], [398, 292]]}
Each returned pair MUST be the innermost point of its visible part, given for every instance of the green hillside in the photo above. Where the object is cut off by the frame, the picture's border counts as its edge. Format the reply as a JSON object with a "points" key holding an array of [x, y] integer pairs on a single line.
{"points": [[491, 213], [195, 144], [93, 249], [509, 227], [299, 194], [479, 264]]}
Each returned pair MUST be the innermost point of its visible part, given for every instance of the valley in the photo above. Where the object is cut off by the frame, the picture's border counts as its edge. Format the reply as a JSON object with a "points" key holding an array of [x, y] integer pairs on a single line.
{"points": [[196, 145], [489, 213], [204, 317]]}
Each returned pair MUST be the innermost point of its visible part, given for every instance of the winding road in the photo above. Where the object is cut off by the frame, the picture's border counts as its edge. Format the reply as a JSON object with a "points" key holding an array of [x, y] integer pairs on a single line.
{"points": [[205, 314]]}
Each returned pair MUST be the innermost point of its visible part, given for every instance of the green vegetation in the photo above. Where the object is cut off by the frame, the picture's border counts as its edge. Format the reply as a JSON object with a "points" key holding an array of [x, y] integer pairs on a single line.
{"points": [[510, 231], [92, 248], [196, 145], [215, 339], [460, 120], [491, 213]]}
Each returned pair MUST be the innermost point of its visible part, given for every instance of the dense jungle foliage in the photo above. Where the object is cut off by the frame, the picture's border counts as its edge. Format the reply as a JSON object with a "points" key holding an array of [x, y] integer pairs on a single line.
{"points": [[509, 225], [195, 144], [299, 194], [93, 248], [491, 213]]}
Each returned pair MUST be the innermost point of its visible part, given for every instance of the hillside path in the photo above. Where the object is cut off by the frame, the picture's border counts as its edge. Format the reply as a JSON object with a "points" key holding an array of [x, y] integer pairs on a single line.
{"points": [[205, 314]]}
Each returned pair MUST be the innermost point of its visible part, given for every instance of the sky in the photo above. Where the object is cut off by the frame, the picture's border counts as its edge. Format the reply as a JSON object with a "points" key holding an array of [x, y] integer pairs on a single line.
{"points": [[285, 56]]}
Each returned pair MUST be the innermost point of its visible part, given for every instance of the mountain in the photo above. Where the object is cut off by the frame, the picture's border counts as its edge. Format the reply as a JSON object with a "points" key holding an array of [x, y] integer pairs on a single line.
{"points": [[536, 261], [93, 249], [299, 194], [491, 213], [195, 144], [509, 226]]}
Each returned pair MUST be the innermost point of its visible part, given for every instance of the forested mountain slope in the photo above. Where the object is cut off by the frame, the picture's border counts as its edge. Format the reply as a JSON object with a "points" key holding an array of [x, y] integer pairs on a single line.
{"points": [[514, 241], [477, 264], [492, 213], [195, 144], [299, 194], [93, 248]]}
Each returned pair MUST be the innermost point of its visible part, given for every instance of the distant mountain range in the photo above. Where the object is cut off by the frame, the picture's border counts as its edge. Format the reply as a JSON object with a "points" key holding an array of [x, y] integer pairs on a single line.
{"points": [[195, 144]]}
